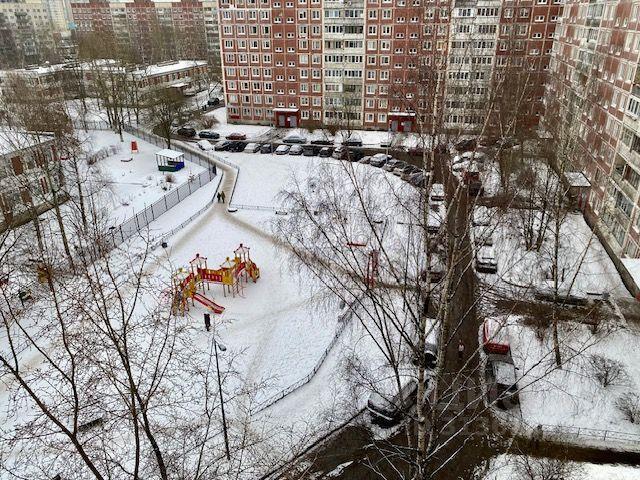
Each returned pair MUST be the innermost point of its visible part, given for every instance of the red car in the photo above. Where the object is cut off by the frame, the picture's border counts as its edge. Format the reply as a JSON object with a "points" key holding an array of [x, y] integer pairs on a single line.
{"points": [[494, 337], [236, 136]]}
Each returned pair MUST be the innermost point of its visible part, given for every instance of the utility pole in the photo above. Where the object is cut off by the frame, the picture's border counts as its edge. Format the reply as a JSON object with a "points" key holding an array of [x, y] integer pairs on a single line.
{"points": [[222, 348]]}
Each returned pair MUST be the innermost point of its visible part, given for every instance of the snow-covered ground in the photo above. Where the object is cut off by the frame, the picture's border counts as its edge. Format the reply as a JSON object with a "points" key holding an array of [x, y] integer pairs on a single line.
{"points": [[571, 398], [223, 128], [510, 467], [132, 181], [584, 263]]}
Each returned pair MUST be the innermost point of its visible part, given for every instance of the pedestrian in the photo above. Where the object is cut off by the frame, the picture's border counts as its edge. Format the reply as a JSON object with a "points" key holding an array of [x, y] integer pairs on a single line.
{"points": [[537, 437], [207, 321], [218, 196], [460, 350], [222, 195]]}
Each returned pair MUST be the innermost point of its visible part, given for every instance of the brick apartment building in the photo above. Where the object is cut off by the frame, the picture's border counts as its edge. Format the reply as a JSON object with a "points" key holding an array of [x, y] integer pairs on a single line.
{"points": [[594, 74], [291, 62], [30, 170], [156, 31]]}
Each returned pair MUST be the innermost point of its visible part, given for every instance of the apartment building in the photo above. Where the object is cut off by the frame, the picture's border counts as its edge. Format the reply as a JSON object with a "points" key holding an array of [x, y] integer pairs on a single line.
{"points": [[155, 30], [595, 83], [32, 31], [373, 63], [30, 170]]}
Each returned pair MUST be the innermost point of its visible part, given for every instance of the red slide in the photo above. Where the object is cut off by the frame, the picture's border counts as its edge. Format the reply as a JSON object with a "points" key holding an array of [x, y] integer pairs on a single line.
{"points": [[208, 303]]}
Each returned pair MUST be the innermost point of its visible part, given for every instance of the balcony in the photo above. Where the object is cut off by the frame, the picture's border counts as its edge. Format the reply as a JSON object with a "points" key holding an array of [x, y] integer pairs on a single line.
{"points": [[628, 189]]}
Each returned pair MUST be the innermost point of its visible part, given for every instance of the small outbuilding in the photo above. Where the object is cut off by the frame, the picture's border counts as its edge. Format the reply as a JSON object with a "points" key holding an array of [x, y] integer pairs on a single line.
{"points": [[169, 160]]}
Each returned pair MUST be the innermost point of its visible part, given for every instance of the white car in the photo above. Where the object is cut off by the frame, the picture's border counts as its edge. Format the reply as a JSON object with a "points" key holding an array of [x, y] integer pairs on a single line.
{"points": [[252, 147], [481, 216], [295, 138], [205, 145], [486, 260], [282, 149], [437, 192], [435, 217]]}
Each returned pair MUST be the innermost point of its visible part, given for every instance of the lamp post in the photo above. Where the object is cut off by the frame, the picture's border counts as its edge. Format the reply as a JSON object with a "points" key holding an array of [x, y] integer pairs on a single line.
{"points": [[222, 348]]}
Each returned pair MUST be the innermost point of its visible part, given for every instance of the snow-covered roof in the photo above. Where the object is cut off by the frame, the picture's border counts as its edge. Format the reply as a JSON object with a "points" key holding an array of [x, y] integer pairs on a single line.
{"points": [[167, 153], [14, 140], [168, 67], [576, 179]]}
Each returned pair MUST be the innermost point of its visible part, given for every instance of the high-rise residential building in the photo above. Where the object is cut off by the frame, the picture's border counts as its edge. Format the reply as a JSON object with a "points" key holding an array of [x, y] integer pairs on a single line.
{"points": [[595, 86], [33, 31], [378, 64], [155, 31]]}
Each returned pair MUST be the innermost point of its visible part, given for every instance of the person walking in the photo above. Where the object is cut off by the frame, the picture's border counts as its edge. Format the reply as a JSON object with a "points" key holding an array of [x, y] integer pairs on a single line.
{"points": [[223, 196], [460, 350], [218, 196], [207, 321]]}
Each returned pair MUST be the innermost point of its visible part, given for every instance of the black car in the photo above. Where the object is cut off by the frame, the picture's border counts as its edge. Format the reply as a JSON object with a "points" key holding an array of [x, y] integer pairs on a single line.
{"points": [[310, 150], [355, 154], [237, 146], [208, 134], [325, 152], [186, 132], [222, 145], [353, 142], [466, 145], [321, 142], [267, 148], [212, 102]]}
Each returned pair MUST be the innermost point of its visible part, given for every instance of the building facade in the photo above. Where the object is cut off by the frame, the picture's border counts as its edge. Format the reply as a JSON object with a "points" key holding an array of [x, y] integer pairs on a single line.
{"points": [[155, 31], [379, 64], [595, 82]]}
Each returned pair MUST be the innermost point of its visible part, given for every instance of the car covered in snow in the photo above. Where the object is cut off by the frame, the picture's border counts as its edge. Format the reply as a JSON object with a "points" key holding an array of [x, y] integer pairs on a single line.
{"points": [[267, 148], [495, 337], [502, 381], [437, 192], [252, 147], [481, 216], [222, 145], [310, 150], [435, 217], [353, 141], [391, 164], [294, 138], [482, 236], [325, 152], [236, 136], [282, 149], [205, 145], [295, 150], [486, 260], [340, 152], [186, 132], [379, 161]]}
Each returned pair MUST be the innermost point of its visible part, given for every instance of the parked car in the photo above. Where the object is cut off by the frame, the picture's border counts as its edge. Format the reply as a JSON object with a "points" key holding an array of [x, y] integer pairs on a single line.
{"points": [[205, 145], [481, 216], [403, 168], [482, 236], [252, 147], [237, 146], [186, 132], [267, 148], [437, 192], [325, 152], [388, 410], [321, 142], [476, 156], [353, 141], [415, 151], [430, 357], [294, 138], [391, 164], [209, 134], [340, 152], [418, 180], [410, 170], [473, 181], [502, 381], [212, 102], [295, 150], [282, 149], [381, 156], [310, 150], [486, 260], [365, 160], [495, 338], [236, 136], [222, 145], [379, 161], [436, 270], [355, 154]]}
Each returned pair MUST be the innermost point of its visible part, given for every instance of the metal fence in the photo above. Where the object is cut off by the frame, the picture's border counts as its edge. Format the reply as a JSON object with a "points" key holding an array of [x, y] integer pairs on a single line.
{"points": [[560, 433], [91, 125], [343, 321]]}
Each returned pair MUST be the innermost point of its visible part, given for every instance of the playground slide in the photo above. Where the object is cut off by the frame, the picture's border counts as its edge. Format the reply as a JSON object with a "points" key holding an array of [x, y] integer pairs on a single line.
{"points": [[208, 303]]}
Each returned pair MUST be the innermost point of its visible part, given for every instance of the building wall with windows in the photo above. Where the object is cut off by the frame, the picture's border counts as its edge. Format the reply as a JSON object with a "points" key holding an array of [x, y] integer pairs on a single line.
{"points": [[377, 63], [595, 79]]}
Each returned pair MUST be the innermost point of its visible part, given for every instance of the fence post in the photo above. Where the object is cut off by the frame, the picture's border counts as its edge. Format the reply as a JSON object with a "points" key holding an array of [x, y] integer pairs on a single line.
{"points": [[165, 203], [605, 435], [121, 234], [137, 224]]}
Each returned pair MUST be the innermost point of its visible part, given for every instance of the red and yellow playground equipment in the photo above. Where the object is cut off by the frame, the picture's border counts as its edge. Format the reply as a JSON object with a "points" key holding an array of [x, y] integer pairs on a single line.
{"points": [[232, 275]]}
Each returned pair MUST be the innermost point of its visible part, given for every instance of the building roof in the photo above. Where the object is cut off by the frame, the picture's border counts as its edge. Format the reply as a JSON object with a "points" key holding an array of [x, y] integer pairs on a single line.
{"points": [[167, 153], [167, 67], [576, 179], [15, 140]]}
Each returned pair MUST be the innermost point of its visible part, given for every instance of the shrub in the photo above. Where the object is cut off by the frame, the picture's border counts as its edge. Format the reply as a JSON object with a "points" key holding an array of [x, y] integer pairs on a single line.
{"points": [[629, 406], [170, 178], [607, 371]]}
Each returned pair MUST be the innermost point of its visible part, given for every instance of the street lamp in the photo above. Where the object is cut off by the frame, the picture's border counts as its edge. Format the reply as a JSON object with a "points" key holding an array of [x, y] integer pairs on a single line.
{"points": [[218, 346]]}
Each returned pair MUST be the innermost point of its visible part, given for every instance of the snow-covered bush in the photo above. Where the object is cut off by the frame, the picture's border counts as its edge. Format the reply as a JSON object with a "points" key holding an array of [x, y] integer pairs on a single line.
{"points": [[607, 371], [629, 406], [170, 178]]}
